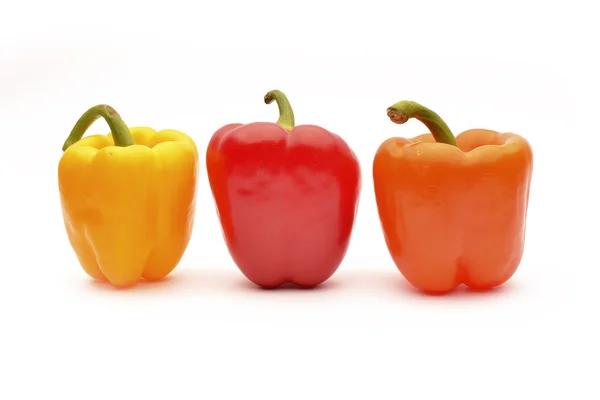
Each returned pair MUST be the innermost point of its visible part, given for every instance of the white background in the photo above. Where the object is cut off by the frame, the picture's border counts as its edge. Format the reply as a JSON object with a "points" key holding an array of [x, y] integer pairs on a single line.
{"points": [[205, 332]]}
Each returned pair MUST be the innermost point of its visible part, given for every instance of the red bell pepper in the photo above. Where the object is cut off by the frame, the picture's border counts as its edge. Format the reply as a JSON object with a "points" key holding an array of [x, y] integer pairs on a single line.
{"points": [[286, 197]]}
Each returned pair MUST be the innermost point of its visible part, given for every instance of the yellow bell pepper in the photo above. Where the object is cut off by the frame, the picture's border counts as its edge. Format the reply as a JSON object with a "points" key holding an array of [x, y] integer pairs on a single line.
{"points": [[128, 198]]}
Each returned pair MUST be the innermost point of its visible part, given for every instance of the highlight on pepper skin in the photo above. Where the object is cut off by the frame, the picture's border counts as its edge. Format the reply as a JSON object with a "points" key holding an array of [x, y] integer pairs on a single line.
{"points": [[286, 197], [128, 198], [452, 210]]}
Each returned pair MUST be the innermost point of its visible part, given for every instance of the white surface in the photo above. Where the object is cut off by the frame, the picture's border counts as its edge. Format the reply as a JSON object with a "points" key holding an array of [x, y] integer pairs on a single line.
{"points": [[207, 333]]}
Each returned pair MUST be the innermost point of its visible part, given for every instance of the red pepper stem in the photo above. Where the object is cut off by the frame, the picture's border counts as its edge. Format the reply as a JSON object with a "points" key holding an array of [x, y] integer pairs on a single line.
{"points": [[404, 110], [286, 114], [118, 129]]}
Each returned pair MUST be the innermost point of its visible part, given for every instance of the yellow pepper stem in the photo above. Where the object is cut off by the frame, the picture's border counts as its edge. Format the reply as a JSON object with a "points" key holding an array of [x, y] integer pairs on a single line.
{"points": [[404, 110], [120, 131], [286, 114]]}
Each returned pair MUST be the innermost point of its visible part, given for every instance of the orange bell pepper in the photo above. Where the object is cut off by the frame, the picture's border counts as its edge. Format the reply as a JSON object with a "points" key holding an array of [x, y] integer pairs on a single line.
{"points": [[128, 198], [452, 210]]}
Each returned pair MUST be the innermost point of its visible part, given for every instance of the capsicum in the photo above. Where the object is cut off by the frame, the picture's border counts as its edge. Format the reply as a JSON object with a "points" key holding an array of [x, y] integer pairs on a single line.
{"points": [[286, 197], [128, 198], [452, 209]]}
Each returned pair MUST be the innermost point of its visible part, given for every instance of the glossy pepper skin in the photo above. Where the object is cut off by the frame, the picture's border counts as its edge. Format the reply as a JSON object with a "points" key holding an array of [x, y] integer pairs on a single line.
{"points": [[286, 197], [128, 198], [453, 211]]}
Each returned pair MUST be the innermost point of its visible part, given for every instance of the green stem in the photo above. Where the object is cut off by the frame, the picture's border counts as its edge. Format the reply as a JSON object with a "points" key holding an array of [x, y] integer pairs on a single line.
{"points": [[286, 114], [118, 129], [404, 110]]}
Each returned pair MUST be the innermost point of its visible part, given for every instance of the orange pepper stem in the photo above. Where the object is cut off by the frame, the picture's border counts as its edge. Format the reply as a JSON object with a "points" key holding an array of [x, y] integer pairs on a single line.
{"points": [[404, 110], [286, 114], [118, 129]]}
